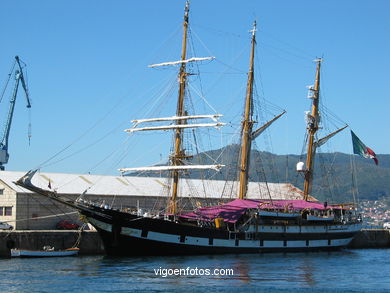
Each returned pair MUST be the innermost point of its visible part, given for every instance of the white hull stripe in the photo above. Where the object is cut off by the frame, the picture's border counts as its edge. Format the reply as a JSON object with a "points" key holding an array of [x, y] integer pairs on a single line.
{"points": [[200, 241], [306, 229]]}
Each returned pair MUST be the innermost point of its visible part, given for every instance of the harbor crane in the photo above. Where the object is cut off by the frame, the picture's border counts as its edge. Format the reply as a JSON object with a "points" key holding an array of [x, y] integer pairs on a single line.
{"points": [[17, 72]]}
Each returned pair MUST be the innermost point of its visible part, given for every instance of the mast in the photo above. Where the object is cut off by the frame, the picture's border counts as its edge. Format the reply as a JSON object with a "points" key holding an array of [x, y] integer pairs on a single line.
{"points": [[312, 127], [179, 154], [247, 123], [180, 122]]}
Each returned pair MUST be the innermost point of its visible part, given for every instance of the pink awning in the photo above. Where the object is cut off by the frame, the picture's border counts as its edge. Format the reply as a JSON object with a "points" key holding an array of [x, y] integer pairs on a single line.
{"points": [[232, 211]]}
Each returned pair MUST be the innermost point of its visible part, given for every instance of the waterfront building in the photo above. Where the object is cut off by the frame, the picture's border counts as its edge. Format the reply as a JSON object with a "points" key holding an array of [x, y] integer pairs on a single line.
{"points": [[25, 210]]}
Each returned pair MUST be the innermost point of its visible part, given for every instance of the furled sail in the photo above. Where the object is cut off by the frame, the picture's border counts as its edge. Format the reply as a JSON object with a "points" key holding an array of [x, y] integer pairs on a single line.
{"points": [[175, 118], [176, 126], [171, 168], [182, 61], [323, 140], [260, 130]]}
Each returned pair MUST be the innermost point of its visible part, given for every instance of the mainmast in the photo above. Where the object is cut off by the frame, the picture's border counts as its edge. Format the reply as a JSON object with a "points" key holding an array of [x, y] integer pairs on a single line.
{"points": [[313, 120], [247, 123], [178, 153]]}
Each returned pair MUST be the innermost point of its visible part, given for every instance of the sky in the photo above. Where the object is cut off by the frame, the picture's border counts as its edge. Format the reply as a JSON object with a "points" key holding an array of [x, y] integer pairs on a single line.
{"points": [[88, 76]]}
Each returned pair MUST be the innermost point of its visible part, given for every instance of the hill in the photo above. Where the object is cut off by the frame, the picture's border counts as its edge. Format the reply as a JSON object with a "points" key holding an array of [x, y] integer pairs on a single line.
{"points": [[333, 172]]}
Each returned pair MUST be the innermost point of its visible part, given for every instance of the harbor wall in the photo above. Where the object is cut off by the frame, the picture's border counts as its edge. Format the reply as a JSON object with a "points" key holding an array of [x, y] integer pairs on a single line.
{"points": [[90, 242], [371, 238]]}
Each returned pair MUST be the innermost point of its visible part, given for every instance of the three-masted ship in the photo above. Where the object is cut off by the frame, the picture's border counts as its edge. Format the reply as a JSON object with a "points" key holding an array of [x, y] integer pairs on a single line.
{"points": [[239, 226]]}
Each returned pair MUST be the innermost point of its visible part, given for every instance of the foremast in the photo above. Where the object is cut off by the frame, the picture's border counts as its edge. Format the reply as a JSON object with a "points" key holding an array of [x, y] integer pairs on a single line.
{"points": [[313, 119], [179, 153], [179, 123]]}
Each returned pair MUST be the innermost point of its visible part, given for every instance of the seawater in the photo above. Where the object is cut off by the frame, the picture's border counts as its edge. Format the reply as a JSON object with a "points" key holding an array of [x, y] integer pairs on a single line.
{"points": [[365, 270]]}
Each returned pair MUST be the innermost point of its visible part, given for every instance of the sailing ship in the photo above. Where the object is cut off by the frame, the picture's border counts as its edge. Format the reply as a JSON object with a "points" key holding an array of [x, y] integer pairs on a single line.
{"points": [[239, 226]]}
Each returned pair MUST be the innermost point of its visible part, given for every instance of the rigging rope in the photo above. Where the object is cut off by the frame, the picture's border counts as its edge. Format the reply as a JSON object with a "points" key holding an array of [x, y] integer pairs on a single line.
{"points": [[7, 80], [43, 217], [355, 189], [307, 54]]}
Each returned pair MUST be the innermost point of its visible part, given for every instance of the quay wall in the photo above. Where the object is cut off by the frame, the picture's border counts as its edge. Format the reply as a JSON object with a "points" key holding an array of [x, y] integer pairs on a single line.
{"points": [[371, 238], [90, 242]]}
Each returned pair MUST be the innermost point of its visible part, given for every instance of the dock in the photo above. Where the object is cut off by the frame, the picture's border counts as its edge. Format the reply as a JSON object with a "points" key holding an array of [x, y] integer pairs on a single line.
{"points": [[371, 238], [89, 242]]}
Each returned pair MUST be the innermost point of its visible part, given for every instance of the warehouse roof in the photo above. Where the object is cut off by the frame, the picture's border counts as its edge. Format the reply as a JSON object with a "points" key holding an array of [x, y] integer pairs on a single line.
{"points": [[147, 186]]}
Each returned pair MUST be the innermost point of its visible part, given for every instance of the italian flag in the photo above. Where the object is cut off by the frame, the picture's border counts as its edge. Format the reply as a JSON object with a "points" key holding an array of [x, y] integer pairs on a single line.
{"points": [[360, 148]]}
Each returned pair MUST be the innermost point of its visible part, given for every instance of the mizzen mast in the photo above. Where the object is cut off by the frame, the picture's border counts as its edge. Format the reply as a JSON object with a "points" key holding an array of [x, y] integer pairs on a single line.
{"points": [[313, 119], [247, 123]]}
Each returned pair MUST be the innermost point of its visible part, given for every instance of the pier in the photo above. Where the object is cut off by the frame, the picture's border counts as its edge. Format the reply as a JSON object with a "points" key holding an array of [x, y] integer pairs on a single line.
{"points": [[371, 238], [90, 243]]}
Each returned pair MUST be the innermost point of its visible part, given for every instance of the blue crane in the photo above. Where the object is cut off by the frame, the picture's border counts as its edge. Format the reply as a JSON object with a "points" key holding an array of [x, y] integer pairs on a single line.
{"points": [[19, 78]]}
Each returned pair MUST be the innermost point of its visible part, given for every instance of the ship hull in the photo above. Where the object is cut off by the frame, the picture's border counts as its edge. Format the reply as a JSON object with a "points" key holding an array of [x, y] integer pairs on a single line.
{"points": [[133, 246], [126, 235]]}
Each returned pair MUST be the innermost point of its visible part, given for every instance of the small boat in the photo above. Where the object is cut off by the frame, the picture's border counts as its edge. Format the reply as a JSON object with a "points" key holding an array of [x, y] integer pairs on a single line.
{"points": [[47, 251]]}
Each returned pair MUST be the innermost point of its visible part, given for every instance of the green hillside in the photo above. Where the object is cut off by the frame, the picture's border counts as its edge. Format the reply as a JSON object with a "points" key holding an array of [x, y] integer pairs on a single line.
{"points": [[333, 172]]}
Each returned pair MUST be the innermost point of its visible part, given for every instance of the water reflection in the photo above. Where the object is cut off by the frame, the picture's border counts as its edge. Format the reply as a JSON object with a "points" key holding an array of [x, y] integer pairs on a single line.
{"points": [[276, 269], [242, 272], [308, 268], [357, 270]]}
